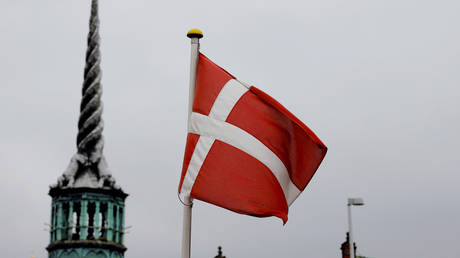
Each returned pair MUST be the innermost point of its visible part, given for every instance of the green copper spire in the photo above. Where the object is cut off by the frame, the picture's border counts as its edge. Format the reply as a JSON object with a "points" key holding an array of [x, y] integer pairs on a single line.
{"points": [[88, 208]]}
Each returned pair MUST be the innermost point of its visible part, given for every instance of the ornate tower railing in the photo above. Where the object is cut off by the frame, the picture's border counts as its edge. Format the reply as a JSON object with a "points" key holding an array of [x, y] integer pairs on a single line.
{"points": [[87, 216], [87, 220]]}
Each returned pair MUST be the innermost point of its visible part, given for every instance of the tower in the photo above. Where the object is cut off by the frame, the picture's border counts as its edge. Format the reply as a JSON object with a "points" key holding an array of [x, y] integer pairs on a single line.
{"points": [[88, 208], [219, 253], [345, 247]]}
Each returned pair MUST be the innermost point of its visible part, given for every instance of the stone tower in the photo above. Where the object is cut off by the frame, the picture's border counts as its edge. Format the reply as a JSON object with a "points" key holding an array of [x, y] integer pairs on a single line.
{"points": [[88, 208]]}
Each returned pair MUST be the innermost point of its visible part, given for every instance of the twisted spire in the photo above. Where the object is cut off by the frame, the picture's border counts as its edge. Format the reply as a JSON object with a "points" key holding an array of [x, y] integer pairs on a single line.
{"points": [[90, 124], [88, 167]]}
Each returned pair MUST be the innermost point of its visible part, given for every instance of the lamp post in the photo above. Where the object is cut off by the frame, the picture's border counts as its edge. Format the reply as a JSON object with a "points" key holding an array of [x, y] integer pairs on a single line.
{"points": [[355, 202]]}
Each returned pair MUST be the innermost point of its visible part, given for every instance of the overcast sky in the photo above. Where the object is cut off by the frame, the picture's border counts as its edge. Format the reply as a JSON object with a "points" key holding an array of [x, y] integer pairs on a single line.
{"points": [[377, 81]]}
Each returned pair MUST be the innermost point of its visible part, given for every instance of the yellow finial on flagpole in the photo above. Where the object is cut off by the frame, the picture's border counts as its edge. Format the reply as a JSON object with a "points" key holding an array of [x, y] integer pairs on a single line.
{"points": [[195, 33]]}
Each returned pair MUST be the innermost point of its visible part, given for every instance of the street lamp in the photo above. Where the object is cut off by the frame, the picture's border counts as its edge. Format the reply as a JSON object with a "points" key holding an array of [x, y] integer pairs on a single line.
{"points": [[355, 202]]}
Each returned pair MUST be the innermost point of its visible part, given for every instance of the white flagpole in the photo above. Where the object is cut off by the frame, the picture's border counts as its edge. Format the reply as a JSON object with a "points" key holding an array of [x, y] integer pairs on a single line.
{"points": [[194, 35]]}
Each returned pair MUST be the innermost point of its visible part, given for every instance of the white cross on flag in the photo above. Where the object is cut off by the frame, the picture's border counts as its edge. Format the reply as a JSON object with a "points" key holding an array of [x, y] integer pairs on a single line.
{"points": [[245, 152]]}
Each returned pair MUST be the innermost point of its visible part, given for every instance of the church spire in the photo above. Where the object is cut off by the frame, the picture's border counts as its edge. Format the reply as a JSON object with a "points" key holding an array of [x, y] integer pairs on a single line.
{"points": [[88, 167], [219, 252]]}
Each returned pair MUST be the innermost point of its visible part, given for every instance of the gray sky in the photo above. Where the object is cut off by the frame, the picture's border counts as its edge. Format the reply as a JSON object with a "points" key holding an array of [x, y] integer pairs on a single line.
{"points": [[378, 81]]}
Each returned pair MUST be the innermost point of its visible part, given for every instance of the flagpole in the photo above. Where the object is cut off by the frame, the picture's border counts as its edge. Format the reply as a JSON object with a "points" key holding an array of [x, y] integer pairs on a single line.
{"points": [[194, 35]]}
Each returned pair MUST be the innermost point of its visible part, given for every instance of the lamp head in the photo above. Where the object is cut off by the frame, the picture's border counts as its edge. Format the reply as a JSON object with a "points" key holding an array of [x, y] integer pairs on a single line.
{"points": [[355, 201]]}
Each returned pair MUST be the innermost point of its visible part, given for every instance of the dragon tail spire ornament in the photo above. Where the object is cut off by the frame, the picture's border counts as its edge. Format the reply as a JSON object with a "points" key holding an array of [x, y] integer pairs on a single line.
{"points": [[88, 167], [90, 124]]}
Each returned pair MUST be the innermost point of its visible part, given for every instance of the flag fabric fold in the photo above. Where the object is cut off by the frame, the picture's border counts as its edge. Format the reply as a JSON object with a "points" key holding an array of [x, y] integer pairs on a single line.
{"points": [[245, 152]]}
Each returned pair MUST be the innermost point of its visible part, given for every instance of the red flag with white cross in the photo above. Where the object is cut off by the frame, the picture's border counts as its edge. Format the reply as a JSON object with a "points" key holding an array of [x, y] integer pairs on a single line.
{"points": [[245, 152]]}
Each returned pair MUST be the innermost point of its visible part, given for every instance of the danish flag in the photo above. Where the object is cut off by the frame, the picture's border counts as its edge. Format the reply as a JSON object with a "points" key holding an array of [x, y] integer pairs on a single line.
{"points": [[245, 152]]}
